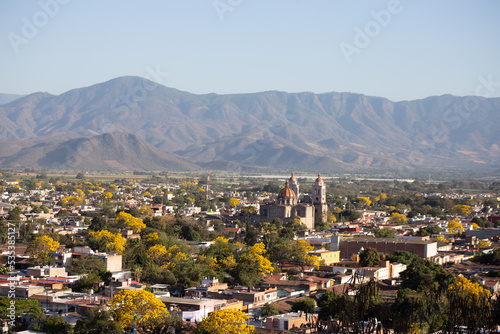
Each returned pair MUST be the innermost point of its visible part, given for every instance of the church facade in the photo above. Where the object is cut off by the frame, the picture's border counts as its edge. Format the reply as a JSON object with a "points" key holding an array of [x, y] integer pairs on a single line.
{"points": [[312, 210]]}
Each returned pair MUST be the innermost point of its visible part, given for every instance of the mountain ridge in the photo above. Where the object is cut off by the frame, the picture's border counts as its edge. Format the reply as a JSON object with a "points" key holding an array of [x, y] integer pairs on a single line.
{"points": [[272, 129], [110, 151]]}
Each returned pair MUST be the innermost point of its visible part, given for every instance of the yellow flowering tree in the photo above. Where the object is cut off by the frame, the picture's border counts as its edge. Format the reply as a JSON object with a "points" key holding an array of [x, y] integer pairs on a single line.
{"points": [[300, 254], [40, 248], [397, 218], [165, 257], [454, 227], [137, 308], [461, 210], [80, 193], [467, 300], [108, 241], [364, 201], [146, 210], [152, 238], [258, 254], [441, 239], [233, 202], [129, 221], [225, 322], [228, 263], [71, 201], [157, 254], [484, 244]]}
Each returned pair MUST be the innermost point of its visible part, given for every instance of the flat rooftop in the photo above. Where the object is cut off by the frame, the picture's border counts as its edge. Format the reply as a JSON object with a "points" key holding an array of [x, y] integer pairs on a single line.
{"points": [[386, 240]]}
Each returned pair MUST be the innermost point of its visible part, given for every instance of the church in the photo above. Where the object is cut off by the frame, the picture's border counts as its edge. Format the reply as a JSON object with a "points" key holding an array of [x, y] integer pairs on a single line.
{"points": [[310, 210]]}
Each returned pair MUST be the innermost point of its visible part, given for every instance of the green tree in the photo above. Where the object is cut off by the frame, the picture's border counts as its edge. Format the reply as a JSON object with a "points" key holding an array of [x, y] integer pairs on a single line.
{"points": [[365, 305], [269, 309], [29, 306], [56, 325], [423, 275], [429, 230], [403, 257], [306, 304], [99, 223], [407, 310], [369, 258], [15, 215], [349, 215], [492, 258], [85, 265], [328, 304], [384, 232], [97, 321], [251, 235]]}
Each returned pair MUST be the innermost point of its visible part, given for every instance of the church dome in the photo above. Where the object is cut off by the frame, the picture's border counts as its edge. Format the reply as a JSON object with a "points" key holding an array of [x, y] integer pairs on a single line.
{"points": [[286, 192], [292, 178]]}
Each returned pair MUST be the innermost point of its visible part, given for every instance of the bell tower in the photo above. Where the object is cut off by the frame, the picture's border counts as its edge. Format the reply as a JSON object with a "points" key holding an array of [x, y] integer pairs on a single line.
{"points": [[294, 184], [319, 201]]}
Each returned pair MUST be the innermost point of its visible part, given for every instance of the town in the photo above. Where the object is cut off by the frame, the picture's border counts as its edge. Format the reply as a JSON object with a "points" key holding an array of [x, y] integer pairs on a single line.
{"points": [[220, 253]]}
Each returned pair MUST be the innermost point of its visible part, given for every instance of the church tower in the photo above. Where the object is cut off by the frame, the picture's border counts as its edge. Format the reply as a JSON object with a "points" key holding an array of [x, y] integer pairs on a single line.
{"points": [[319, 201], [294, 185]]}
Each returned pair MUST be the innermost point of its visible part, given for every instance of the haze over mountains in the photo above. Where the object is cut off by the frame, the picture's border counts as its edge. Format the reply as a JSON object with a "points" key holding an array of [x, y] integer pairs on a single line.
{"points": [[151, 127]]}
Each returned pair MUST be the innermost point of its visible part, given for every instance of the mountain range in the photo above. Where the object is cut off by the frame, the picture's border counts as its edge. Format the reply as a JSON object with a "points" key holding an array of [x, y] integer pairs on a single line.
{"points": [[131, 123]]}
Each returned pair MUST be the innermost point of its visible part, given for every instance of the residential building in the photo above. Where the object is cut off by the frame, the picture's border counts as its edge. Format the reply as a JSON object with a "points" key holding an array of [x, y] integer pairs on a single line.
{"points": [[285, 322], [326, 257]]}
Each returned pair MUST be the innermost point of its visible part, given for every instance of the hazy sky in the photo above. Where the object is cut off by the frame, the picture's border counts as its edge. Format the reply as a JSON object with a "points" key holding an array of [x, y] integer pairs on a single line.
{"points": [[395, 49]]}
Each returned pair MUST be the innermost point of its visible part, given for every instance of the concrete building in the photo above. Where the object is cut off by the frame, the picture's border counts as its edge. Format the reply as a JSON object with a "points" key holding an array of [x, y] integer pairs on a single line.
{"points": [[352, 246], [191, 309], [46, 271], [21, 291], [287, 321], [326, 257], [207, 285]]}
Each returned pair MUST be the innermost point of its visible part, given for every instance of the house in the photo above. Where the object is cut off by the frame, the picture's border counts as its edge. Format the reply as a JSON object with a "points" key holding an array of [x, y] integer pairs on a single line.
{"points": [[46, 271], [23, 290], [207, 285], [326, 257], [255, 297], [306, 286], [5, 208], [493, 286], [321, 283], [62, 257], [113, 262], [285, 322], [117, 286], [193, 310]]}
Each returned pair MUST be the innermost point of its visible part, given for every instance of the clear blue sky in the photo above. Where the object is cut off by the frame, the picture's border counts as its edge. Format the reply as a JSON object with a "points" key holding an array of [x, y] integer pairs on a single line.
{"points": [[425, 47]]}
